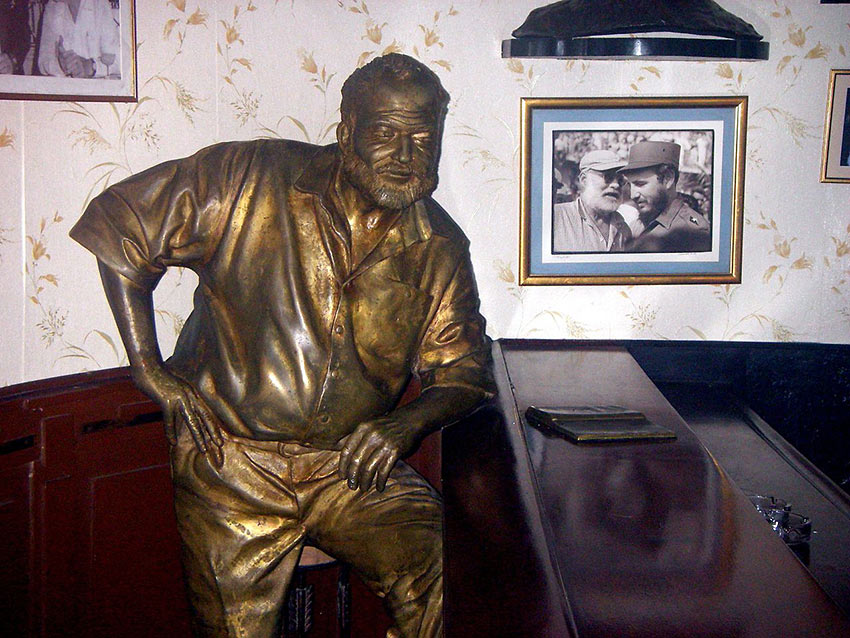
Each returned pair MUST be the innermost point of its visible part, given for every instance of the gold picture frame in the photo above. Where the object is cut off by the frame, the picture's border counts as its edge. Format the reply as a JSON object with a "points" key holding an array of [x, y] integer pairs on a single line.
{"points": [[835, 163], [557, 132]]}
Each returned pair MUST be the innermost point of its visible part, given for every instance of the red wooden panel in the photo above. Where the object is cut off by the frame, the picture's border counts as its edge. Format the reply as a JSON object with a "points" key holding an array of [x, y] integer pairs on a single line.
{"points": [[135, 582], [15, 549], [58, 534]]}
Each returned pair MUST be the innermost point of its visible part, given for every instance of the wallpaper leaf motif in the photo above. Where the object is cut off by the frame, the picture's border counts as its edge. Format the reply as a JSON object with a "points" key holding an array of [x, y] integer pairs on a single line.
{"points": [[789, 68], [7, 138], [44, 285], [429, 52], [644, 73], [642, 315], [244, 102], [134, 124], [501, 170], [187, 102], [839, 268], [526, 77], [543, 321], [354, 6], [320, 79], [774, 278], [110, 138]]}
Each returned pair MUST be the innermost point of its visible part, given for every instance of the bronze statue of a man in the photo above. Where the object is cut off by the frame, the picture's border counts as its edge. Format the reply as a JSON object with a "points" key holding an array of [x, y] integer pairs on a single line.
{"points": [[328, 276]]}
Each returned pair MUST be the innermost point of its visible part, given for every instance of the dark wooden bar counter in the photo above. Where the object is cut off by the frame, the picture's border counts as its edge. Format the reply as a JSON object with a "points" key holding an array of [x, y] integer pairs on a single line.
{"points": [[548, 538]]}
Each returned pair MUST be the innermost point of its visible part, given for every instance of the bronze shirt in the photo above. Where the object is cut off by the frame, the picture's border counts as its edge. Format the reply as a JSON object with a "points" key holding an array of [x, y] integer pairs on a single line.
{"points": [[285, 341]]}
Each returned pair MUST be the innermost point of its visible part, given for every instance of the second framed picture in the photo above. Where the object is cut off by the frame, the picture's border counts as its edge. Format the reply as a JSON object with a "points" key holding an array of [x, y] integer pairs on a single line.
{"points": [[80, 50], [632, 190], [835, 166]]}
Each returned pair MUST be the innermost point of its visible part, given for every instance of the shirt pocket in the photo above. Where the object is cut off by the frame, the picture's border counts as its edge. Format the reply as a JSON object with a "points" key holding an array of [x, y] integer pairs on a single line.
{"points": [[388, 317]]}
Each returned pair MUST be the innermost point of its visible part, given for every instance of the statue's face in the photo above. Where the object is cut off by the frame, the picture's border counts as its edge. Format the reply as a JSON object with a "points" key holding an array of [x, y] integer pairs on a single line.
{"points": [[391, 152]]}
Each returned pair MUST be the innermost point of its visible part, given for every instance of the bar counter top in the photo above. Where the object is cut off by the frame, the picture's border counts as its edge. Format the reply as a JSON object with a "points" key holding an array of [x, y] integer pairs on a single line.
{"points": [[545, 537]]}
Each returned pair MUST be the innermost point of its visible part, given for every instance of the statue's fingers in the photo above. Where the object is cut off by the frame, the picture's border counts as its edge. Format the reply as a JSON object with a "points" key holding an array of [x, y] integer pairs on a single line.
{"points": [[169, 425], [359, 459], [369, 467], [192, 422], [384, 470], [352, 443], [216, 455], [210, 420]]}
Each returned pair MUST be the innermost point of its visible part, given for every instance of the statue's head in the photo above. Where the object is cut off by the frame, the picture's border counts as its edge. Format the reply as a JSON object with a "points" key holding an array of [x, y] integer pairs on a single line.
{"points": [[393, 111]]}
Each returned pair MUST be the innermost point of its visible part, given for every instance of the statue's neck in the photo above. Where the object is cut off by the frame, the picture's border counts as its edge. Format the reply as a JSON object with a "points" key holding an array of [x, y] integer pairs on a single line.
{"points": [[367, 223]]}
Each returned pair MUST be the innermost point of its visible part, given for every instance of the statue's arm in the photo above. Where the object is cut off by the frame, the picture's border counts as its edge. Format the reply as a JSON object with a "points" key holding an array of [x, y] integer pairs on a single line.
{"points": [[132, 306], [372, 450], [168, 215], [455, 368]]}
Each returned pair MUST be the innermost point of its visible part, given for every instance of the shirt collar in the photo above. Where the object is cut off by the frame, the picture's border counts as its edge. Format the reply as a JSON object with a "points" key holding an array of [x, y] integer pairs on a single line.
{"points": [[666, 218], [616, 220]]}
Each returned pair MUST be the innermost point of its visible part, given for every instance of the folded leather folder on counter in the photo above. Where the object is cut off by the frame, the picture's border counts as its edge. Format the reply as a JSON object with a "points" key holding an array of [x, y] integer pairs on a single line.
{"points": [[597, 424]]}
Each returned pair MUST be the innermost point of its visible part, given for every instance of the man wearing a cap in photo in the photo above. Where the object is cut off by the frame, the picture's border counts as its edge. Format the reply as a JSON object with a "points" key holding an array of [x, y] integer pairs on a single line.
{"points": [[665, 222], [591, 223]]}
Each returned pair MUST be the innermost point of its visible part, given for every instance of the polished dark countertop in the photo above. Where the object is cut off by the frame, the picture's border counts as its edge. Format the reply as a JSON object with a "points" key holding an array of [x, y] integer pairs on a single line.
{"points": [[761, 462], [635, 539]]}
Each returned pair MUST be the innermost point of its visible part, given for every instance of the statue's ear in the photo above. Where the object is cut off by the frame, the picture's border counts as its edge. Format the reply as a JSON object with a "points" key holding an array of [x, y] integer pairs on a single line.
{"points": [[343, 133]]}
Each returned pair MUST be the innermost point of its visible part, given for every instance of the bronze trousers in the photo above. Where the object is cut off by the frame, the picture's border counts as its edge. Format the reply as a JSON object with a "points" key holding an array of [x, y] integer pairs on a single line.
{"points": [[243, 527]]}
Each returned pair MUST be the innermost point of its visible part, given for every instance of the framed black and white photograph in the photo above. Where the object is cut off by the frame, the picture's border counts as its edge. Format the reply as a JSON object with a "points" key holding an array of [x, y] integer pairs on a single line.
{"points": [[835, 166], [79, 50], [632, 190]]}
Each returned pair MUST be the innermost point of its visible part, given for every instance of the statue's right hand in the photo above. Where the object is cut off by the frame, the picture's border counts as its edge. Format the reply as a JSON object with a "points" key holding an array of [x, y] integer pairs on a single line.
{"points": [[182, 404]]}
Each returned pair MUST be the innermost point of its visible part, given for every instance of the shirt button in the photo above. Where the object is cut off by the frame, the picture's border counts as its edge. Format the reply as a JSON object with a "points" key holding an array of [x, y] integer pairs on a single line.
{"points": [[339, 330], [324, 418]]}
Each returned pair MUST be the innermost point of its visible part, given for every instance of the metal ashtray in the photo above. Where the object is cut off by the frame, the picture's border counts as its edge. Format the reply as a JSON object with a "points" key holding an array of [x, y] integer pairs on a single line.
{"points": [[775, 510], [791, 527], [796, 531]]}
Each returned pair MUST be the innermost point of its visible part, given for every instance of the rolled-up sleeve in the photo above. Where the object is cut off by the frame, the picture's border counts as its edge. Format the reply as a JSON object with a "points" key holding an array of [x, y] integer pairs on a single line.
{"points": [[170, 215], [456, 350]]}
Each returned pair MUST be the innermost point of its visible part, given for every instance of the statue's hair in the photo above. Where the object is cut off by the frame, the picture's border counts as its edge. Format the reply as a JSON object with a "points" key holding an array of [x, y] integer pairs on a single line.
{"points": [[391, 68]]}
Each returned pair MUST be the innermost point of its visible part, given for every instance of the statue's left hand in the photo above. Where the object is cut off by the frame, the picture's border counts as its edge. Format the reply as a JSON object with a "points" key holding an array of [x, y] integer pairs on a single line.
{"points": [[371, 451]]}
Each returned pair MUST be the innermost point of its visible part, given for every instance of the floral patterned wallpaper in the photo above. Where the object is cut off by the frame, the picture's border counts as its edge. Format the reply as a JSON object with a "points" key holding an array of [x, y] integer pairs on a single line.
{"points": [[212, 70]]}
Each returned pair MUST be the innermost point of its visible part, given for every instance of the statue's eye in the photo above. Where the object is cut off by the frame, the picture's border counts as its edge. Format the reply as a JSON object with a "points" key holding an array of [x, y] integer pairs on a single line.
{"points": [[383, 133], [422, 137]]}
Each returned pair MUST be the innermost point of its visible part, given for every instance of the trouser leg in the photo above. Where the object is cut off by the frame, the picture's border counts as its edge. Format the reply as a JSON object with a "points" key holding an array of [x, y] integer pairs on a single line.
{"points": [[393, 539], [241, 537]]}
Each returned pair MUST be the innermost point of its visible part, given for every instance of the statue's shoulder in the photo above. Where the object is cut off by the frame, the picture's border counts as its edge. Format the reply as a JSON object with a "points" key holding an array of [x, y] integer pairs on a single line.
{"points": [[272, 150], [442, 223]]}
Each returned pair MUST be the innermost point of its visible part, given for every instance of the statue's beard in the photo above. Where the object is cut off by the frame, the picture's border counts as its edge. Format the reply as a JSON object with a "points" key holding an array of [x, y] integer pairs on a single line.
{"points": [[383, 192]]}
